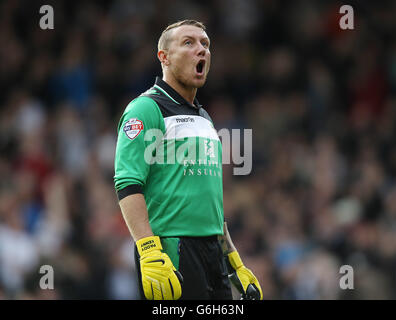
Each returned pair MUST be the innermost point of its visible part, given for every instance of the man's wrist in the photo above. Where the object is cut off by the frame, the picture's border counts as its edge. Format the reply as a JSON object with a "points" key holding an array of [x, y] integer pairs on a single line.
{"points": [[148, 244], [235, 260]]}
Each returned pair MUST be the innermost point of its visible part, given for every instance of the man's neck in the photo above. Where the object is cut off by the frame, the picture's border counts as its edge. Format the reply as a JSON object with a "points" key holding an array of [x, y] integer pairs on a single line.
{"points": [[187, 93]]}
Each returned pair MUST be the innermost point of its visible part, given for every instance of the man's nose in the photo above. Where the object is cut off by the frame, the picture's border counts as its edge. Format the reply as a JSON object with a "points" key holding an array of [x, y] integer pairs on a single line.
{"points": [[202, 50]]}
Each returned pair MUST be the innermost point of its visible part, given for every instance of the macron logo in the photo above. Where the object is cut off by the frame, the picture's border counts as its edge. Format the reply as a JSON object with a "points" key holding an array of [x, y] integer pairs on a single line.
{"points": [[183, 120]]}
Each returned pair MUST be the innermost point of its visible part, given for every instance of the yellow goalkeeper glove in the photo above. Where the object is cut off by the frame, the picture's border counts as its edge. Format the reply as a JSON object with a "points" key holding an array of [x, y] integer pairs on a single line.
{"points": [[160, 279], [243, 279]]}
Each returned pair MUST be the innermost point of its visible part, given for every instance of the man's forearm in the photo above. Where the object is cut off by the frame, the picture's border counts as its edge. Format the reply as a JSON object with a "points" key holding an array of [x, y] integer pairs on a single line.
{"points": [[134, 211], [241, 277], [226, 242]]}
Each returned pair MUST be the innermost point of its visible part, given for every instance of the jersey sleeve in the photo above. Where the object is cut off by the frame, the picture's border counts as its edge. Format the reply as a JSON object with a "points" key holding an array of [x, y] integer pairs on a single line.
{"points": [[131, 163]]}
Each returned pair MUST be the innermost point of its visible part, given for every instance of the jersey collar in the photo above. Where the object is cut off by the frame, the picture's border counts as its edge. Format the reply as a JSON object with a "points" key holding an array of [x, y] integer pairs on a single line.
{"points": [[173, 94]]}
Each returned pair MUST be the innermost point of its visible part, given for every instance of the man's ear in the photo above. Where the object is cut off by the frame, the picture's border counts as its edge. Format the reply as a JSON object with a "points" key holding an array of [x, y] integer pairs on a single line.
{"points": [[163, 57]]}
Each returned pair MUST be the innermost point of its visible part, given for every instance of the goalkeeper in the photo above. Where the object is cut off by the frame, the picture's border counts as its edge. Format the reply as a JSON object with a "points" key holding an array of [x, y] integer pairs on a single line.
{"points": [[168, 178]]}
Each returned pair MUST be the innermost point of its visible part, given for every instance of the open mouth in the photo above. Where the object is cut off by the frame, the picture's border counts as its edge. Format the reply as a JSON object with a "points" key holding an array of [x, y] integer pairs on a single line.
{"points": [[200, 66]]}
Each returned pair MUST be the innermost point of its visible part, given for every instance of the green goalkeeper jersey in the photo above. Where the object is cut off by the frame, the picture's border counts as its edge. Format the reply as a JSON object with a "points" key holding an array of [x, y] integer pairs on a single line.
{"points": [[168, 150]]}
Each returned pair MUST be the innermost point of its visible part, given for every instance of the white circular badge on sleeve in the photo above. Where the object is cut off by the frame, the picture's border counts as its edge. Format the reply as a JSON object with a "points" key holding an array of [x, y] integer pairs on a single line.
{"points": [[133, 127]]}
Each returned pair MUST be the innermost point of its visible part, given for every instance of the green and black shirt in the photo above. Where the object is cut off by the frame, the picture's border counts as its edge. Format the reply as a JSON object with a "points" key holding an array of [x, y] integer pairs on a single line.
{"points": [[168, 150]]}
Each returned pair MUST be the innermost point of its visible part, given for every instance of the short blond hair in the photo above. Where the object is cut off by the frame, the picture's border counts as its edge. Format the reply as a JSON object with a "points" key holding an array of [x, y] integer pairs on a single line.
{"points": [[165, 38]]}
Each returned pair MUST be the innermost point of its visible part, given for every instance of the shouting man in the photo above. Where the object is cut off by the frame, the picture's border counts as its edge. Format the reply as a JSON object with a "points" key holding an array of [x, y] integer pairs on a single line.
{"points": [[168, 178]]}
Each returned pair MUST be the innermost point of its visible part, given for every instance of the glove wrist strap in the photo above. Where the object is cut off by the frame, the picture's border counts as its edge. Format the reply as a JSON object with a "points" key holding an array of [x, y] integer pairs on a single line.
{"points": [[235, 260], [148, 244]]}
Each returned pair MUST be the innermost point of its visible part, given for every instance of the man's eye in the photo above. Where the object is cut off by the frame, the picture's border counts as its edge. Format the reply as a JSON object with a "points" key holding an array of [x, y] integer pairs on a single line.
{"points": [[187, 42]]}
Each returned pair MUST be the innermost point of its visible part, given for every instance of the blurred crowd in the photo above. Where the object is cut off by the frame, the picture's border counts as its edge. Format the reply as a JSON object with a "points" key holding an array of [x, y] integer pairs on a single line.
{"points": [[321, 102]]}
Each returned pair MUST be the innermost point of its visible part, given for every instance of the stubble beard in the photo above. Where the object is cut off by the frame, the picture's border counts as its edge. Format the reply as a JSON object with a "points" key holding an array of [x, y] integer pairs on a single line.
{"points": [[188, 81]]}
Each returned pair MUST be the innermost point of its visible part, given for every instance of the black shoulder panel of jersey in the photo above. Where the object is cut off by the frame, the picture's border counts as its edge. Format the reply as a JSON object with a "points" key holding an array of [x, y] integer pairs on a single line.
{"points": [[170, 108], [202, 112]]}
